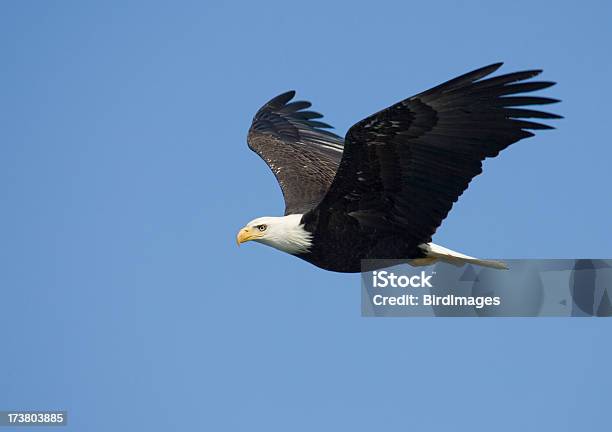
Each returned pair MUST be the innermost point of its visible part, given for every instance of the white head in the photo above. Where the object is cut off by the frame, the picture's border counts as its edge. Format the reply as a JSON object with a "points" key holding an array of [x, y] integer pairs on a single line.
{"points": [[284, 233]]}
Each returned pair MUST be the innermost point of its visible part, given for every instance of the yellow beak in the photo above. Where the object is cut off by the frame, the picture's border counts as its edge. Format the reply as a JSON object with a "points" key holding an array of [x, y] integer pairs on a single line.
{"points": [[244, 235]]}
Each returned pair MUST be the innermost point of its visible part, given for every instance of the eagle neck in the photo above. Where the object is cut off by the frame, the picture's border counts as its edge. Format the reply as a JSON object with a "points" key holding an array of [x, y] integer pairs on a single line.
{"points": [[289, 235]]}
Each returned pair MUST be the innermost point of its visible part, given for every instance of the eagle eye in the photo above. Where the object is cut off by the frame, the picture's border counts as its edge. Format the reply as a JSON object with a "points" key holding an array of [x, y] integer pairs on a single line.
{"points": [[262, 227]]}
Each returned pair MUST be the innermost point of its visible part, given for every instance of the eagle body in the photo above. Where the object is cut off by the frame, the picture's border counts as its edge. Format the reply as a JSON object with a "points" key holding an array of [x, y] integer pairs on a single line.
{"points": [[383, 190], [335, 246]]}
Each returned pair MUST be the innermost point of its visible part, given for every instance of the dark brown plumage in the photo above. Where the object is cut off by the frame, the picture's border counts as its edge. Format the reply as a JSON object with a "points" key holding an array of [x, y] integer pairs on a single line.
{"points": [[300, 152]]}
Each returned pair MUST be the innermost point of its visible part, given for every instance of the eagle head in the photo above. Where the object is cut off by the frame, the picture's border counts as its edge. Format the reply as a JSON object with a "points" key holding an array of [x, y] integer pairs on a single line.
{"points": [[285, 233]]}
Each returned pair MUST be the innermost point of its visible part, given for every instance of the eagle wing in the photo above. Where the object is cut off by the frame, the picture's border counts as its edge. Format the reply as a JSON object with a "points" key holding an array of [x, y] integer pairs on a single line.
{"points": [[405, 166], [301, 153]]}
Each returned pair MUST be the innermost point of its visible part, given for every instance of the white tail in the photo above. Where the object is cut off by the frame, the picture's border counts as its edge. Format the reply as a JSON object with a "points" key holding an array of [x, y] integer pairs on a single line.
{"points": [[438, 253]]}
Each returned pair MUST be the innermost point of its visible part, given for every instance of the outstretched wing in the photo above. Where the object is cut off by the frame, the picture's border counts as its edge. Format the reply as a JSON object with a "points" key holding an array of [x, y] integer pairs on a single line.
{"points": [[405, 166], [301, 153]]}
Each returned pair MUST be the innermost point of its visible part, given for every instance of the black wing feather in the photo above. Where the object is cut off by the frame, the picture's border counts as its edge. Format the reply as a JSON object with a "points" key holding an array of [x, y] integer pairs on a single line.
{"points": [[405, 166]]}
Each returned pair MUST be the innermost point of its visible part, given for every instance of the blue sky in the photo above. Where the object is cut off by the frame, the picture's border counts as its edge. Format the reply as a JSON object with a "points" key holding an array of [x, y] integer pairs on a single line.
{"points": [[124, 176]]}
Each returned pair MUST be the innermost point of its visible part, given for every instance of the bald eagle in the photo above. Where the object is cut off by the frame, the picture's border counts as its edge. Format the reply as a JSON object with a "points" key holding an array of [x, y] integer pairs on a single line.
{"points": [[382, 192]]}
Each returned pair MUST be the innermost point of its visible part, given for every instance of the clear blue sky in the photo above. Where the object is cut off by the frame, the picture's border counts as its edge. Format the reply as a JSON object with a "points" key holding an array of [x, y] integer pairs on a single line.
{"points": [[124, 176]]}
